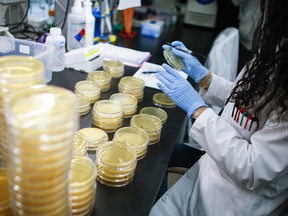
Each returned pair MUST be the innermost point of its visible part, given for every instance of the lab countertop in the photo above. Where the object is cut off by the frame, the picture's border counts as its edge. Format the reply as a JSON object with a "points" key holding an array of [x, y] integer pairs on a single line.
{"points": [[138, 196]]}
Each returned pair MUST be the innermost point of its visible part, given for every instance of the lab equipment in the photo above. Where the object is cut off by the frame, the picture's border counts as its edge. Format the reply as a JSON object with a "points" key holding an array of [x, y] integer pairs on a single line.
{"points": [[201, 13], [173, 60], [89, 23], [151, 124], [108, 115], [135, 137], [82, 185], [57, 40], [132, 85], [116, 163], [84, 59], [12, 46], [102, 78], [163, 100], [152, 27], [191, 65], [179, 90], [158, 112], [76, 26], [95, 137], [128, 101], [88, 89]]}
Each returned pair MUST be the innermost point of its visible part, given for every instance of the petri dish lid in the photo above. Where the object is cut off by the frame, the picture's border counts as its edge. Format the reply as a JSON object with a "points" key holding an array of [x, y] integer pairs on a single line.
{"points": [[108, 108], [20, 68], [42, 105], [146, 122], [113, 63], [99, 75], [125, 99], [82, 171], [135, 137], [116, 155], [158, 112], [162, 100], [132, 82], [83, 101], [173, 60], [87, 86], [79, 140], [94, 136]]}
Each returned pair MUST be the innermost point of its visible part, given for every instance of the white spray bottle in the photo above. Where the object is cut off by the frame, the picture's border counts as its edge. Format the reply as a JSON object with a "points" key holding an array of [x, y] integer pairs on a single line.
{"points": [[76, 27], [89, 23]]}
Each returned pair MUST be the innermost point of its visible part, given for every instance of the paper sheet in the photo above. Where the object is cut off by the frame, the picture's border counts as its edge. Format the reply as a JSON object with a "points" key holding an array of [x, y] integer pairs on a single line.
{"points": [[128, 56], [150, 79], [124, 4]]}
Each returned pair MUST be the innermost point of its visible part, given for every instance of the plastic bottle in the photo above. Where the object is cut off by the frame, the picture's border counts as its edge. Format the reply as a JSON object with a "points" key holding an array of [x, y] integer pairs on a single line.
{"points": [[57, 40], [76, 26], [51, 18], [89, 23]]}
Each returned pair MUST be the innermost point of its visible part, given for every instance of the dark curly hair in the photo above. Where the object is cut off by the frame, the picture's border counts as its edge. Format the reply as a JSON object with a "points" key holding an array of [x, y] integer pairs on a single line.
{"points": [[264, 85]]}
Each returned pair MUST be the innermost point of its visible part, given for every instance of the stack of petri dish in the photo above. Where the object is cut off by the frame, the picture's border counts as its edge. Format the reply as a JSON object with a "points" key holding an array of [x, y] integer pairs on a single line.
{"points": [[152, 125], [116, 163], [94, 137], [42, 121], [89, 89], [108, 115], [114, 67], [82, 185], [102, 78], [135, 137], [80, 145], [162, 100], [5, 207], [129, 102], [16, 73], [132, 85], [84, 105], [158, 112]]}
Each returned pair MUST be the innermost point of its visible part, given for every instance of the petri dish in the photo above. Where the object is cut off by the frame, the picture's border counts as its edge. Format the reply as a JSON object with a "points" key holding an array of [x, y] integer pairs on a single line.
{"points": [[89, 89], [129, 102], [116, 162], [83, 105], [173, 60], [114, 67], [82, 172], [80, 144], [162, 100], [158, 112], [135, 137], [152, 125], [102, 78], [116, 155], [94, 137]]}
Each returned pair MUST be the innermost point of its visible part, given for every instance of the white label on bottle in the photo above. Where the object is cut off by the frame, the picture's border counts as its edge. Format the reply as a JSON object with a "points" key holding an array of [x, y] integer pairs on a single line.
{"points": [[24, 49]]}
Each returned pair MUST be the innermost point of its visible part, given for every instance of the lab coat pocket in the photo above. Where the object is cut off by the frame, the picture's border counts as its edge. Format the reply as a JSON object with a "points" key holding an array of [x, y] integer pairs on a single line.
{"points": [[221, 197]]}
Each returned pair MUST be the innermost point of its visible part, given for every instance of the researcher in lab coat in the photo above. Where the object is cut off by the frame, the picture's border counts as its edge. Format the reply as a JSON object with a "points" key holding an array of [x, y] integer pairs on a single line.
{"points": [[245, 168]]}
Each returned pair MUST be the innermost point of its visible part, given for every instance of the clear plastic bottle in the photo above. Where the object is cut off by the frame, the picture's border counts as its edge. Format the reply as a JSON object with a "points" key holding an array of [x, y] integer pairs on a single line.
{"points": [[57, 40], [76, 26], [89, 23]]}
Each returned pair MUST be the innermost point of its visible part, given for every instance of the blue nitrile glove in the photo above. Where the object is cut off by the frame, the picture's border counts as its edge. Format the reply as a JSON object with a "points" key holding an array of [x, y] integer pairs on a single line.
{"points": [[179, 90], [193, 67]]}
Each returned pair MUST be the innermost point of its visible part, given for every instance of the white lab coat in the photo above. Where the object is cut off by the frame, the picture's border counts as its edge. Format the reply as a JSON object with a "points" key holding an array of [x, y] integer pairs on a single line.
{"points": [[242, 173]]}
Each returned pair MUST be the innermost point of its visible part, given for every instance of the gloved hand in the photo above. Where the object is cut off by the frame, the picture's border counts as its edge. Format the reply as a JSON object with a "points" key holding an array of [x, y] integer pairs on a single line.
{"points": [[179, 90], [193, 67]]}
